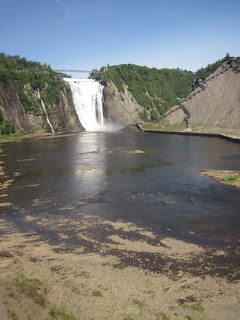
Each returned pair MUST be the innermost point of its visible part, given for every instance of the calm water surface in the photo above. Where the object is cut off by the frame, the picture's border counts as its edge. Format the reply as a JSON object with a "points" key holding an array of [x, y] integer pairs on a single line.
{"points": [[160, 190]]}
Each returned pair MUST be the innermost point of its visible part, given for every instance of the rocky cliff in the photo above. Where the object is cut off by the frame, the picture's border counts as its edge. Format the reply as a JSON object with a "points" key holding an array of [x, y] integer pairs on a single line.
{"points": [[34, 98], [61, 114], [120, 107], [213, 105], [155, 90]]}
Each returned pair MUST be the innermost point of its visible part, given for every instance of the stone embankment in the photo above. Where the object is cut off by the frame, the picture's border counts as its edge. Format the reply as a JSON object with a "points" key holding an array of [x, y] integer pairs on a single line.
{"points": [[233, 138]]}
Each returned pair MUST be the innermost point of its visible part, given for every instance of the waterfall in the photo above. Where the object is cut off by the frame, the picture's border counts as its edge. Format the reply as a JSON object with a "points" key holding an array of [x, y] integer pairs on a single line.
{"points": [[88, 102], [44, 108]]}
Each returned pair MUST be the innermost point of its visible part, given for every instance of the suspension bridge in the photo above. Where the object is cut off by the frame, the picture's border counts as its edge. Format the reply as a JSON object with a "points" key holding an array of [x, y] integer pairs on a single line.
{"points": [[78, 71]]}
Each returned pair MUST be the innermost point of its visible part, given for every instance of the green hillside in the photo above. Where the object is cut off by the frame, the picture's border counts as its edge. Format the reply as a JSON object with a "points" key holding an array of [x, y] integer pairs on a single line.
{"points": [[156, 90], [35, 74], [29, 76]]}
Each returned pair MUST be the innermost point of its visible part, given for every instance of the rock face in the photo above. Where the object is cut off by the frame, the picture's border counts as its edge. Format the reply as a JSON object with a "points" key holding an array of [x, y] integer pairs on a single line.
{"points": [[64, 116], [215, 104], [61, 115], [13, 111], [120, 107]]}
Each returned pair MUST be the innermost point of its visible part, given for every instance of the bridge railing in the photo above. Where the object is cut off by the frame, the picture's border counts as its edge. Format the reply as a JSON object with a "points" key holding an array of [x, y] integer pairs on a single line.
{"points": [[79, 71]]}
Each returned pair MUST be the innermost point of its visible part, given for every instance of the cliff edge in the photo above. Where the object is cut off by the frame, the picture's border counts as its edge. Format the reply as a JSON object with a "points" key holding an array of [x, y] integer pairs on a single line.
{"points": [[213, 105], [34, 98], [120, 107]]}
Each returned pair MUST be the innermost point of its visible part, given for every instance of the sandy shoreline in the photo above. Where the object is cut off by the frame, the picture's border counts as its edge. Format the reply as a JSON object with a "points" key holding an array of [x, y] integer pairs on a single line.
{"points": [[92, 268], [224, 176], [95, 284]]}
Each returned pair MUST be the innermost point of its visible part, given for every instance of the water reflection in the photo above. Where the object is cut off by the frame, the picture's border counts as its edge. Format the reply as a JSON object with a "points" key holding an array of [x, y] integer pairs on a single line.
{"points": [[159, 186], [90, 163]]}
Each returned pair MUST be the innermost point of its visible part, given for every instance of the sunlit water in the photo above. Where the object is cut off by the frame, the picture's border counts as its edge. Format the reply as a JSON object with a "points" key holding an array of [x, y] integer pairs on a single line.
{"points": [[160, 189]]}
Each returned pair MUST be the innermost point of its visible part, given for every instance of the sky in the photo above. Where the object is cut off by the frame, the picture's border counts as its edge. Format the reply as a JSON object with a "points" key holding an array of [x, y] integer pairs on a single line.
{"points": [[87, 34]]}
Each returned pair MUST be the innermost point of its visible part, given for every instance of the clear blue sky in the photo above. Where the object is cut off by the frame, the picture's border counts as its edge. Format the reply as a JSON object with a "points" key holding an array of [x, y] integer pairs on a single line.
{"points": [[88, 34]]}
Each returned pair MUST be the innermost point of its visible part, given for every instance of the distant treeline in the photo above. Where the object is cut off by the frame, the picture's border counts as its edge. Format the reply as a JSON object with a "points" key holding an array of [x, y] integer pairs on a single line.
{"points": [[156, 90]]}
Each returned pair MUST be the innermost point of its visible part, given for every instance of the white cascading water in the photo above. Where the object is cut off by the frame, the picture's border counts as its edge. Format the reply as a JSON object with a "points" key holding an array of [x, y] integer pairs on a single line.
{"points": [[88, 102], [44, 108]]}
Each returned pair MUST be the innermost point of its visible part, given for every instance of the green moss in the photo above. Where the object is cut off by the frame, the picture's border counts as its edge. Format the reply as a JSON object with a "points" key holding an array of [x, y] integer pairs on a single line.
{"points": [[28, 286], [232, 178], [12, 315], [97, 293], [138, 303], [162, 316], [32, 288], [197, 306], [40, 300], [60, 314]]}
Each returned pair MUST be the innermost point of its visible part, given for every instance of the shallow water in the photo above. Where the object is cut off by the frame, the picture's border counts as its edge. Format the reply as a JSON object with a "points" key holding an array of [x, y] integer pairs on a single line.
{"points": [[100, 174]]}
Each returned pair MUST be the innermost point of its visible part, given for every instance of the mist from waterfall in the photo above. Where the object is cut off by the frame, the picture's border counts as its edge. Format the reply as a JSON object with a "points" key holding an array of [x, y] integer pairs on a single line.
{"points": [[88, 102]]}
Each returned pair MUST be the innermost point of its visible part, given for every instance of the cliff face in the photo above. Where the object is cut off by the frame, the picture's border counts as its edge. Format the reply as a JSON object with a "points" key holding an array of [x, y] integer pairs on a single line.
{"points": [[64, 117], [61, 115], [215, 104], [12, 109], [120, 107]]}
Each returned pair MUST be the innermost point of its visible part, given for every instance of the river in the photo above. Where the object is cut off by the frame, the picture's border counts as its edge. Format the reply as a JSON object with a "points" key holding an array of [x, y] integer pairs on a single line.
{"points": [[151, 180]]}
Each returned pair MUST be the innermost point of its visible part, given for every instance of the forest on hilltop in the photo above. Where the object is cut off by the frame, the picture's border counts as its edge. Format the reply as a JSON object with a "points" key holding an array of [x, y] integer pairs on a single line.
{"points": [[156, 90], [30, 76]]}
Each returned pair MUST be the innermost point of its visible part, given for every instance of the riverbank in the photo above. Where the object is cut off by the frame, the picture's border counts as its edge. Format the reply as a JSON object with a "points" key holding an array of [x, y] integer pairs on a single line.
{"points": [[224, 176], [43, 281], [73, 248], [18, 137], [183, 130]]}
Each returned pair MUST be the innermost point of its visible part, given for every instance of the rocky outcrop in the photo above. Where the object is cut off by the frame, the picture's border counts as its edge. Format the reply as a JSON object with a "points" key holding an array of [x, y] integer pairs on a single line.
{"points": [[120, 107], [62, 115], [13, 111], [215, 104]]}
